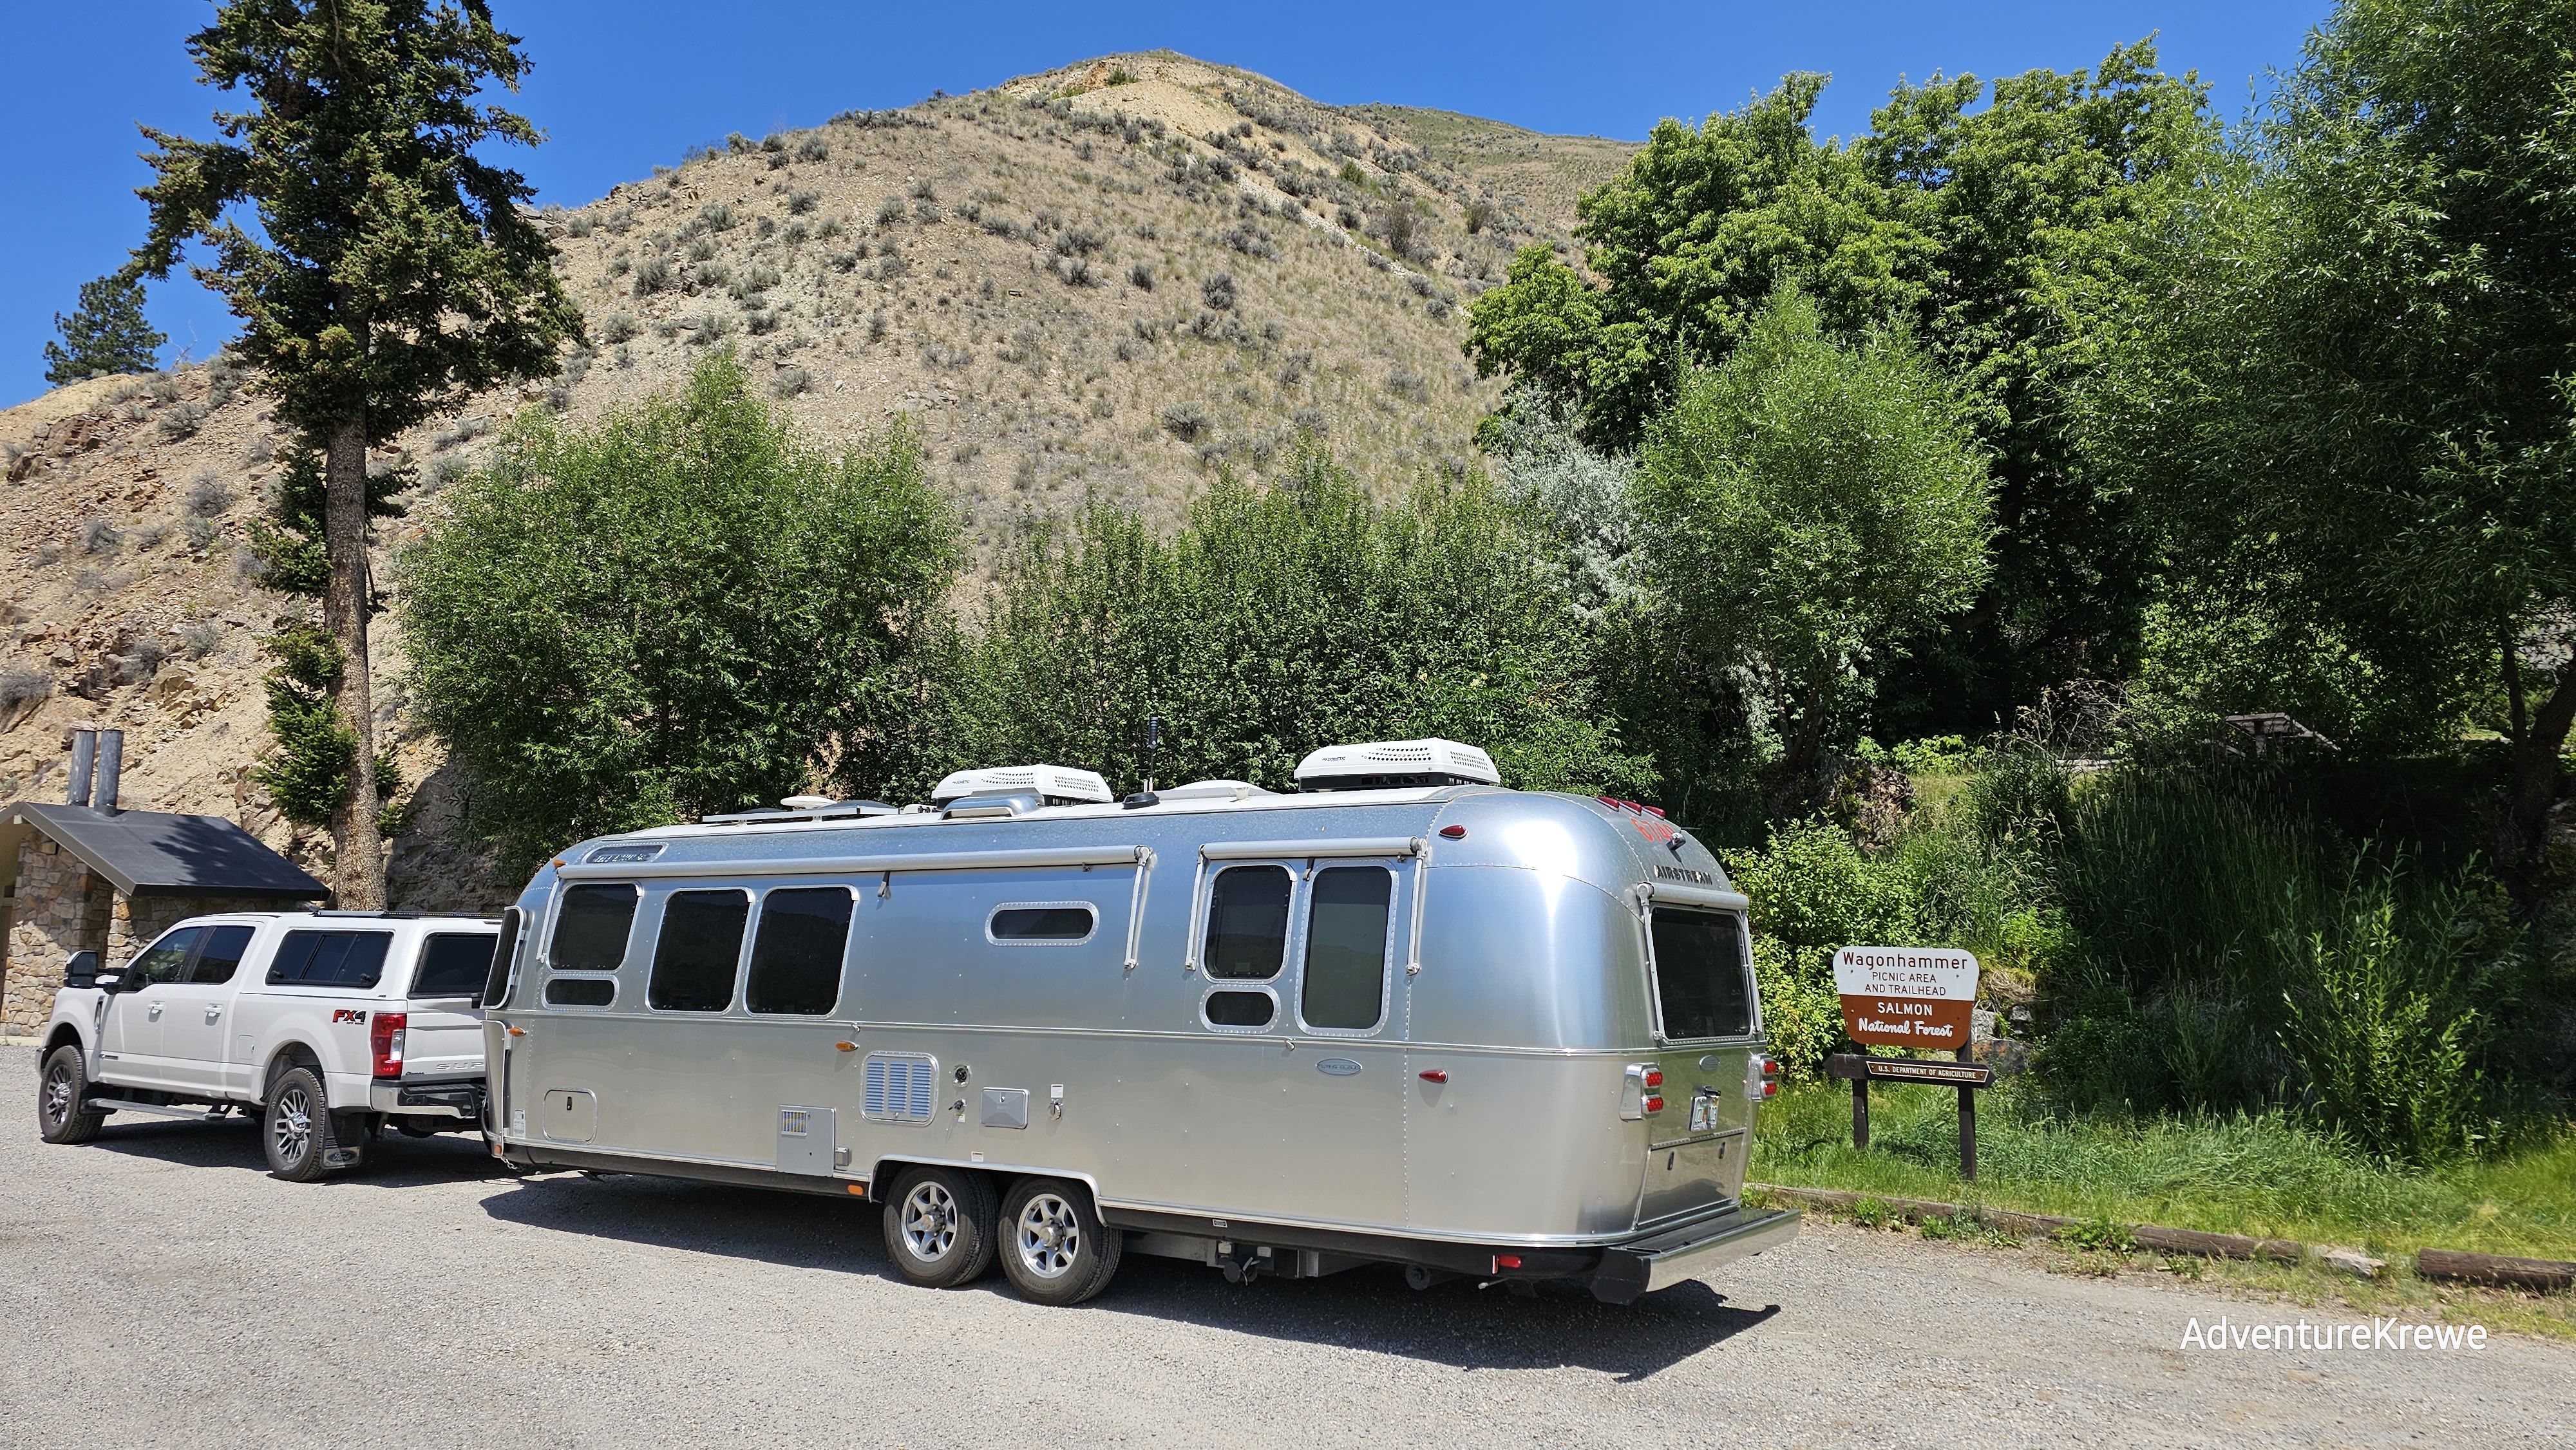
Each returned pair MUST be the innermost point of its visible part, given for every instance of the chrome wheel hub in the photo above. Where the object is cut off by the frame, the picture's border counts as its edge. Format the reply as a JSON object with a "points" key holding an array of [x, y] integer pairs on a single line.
{"points": [[1048, 1236], [291, 1126], [58, 1097], [929, 1222]]}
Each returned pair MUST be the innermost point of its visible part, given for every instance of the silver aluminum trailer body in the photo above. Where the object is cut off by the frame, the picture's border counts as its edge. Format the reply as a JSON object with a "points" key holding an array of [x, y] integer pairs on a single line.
{"points": [[1114, 997]]}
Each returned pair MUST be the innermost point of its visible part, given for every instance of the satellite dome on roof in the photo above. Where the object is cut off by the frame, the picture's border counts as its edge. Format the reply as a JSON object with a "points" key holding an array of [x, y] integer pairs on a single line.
{"points": [[1392, 764], [1058, 785]]}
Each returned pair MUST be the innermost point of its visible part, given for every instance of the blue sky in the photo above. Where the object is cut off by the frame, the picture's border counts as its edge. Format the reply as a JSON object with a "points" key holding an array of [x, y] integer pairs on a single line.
{"points": [[621, 87]]}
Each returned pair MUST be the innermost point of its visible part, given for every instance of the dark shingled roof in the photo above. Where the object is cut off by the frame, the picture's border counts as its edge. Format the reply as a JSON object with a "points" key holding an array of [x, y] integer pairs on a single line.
{"points": [[150, 853]]}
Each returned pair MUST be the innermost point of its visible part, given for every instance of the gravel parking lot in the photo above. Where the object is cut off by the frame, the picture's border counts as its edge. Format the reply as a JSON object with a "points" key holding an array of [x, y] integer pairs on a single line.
{"points": [[162, 1289]]}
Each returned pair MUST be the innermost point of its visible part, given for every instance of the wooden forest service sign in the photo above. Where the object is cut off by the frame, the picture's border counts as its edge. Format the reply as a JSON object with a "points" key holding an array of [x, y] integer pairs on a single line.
{"points": [[1917, 997]]}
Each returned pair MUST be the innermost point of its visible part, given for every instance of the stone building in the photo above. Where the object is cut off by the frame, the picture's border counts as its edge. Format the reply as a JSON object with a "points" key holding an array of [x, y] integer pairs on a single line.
{"points": [[77, 878]]}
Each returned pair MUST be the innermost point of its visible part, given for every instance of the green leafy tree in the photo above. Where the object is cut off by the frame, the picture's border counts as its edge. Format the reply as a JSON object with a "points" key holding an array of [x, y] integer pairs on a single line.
{"points": [[106, 333], [2350, 370], [1812, 505], [1986, 231], [1284, 618], [677, 610], [392, 274]]}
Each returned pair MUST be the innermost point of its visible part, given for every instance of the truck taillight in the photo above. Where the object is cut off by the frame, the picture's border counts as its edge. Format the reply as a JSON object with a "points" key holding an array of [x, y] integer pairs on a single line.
{"points": [[385, 1042]]}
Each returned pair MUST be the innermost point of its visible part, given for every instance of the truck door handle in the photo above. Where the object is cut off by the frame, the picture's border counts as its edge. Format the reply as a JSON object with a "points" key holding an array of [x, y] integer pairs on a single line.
{"points": [[213, 1012], [152, 1012]]}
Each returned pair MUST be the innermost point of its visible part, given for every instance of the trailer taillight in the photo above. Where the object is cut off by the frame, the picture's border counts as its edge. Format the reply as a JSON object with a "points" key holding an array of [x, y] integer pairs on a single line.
{"points": [[1764, 1079], [1655, 1103], [385, 1042], [1654, 1077]]}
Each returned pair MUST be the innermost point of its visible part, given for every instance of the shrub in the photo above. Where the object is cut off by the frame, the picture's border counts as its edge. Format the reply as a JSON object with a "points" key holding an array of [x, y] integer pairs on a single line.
{"points": [[791, 382], [830, 230], [843, 261], [653, 274], [1078, 242], [796, 233], [1481, 214], [99, 536], [1185, 420], [889, 211], [774, 143], [709, 275], [1218, 292], [813, 148], [717, 215], [926, 212], [619, 265], [1141, 277], [760, 324], [739, 144], [618, 327], [922, 190], [801, 201], [1076, 272], [182, 421], [1408, 385], [208, 495], [200, 640], [200, 532], [709, 329]]}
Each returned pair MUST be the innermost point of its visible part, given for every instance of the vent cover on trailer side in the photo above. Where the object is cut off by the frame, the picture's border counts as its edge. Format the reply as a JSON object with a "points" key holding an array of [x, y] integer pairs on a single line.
{"points": [[900, 1087]]}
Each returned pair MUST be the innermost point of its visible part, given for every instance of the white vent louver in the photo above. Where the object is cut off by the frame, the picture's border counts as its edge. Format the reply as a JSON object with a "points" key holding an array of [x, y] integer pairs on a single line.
{"points": [[899, 1087], [1059, 785], [1383, 764]]}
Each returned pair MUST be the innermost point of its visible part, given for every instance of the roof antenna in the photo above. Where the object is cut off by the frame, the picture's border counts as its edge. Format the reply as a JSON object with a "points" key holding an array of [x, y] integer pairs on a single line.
{"points": [[1153, 742]]}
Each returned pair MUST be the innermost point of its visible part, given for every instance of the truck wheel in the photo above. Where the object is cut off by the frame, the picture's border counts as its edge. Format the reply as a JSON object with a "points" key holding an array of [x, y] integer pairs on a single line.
{"points": [[298, 1132], [1054, 1248], [62, 1096], [939, 1227]]}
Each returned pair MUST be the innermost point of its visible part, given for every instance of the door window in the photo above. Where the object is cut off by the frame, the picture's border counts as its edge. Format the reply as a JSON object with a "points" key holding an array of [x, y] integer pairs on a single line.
{"points": [[1700, 975], [454, 964], [796, 958], [221, 954], [166, 959], [1247, 941], [699, 949], [330, 959], [1347, 914]]}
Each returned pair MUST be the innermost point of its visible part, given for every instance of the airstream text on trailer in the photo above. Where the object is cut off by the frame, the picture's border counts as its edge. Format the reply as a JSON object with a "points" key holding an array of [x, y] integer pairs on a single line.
{"points": [[1401, 1015]]}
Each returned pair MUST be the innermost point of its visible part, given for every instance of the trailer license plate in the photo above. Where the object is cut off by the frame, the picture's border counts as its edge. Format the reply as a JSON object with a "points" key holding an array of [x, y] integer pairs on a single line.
{"points": [[1703, 1118]]}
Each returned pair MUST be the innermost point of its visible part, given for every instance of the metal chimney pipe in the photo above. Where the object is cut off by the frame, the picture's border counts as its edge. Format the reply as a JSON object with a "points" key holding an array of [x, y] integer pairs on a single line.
{"points": [[84, 752], [111, 764]]}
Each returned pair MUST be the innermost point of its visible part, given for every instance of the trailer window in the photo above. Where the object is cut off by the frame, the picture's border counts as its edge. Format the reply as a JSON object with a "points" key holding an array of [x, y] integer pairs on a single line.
{"points": [[1247, 930], [330, 959], [1700, 979], [1048, 923], [1241, 1009], [701, 945], [796, 959], [1346, 918], [454, 964], [580, 992], [590, 934]]}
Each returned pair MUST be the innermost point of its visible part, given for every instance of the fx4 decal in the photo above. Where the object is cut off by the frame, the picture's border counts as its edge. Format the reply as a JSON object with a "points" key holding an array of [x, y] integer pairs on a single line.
{"points": [[348, 1014]]}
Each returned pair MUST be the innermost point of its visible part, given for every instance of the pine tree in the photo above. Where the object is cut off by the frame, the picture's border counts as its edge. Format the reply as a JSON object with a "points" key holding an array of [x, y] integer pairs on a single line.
{"points": [[105, 334], [392, 276]]}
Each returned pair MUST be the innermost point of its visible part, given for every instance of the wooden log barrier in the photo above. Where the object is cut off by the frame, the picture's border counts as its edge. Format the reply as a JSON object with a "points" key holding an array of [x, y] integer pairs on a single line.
{"points": [[2215, 1246], [2546, 1275]]}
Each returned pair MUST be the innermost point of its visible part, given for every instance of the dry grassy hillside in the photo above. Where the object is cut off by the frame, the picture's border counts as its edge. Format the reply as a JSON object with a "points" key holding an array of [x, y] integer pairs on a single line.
{"points": [[1115, 277]]}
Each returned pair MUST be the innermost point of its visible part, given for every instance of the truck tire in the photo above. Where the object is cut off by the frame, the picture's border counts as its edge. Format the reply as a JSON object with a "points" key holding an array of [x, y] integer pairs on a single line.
{"points": [[939, 1227], [298, 1132], [62, 1098], [1054, 1248]]}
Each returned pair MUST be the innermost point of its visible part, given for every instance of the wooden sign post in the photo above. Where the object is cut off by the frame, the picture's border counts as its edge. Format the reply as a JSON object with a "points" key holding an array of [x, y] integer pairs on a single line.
{"points": [[1917, 997]]}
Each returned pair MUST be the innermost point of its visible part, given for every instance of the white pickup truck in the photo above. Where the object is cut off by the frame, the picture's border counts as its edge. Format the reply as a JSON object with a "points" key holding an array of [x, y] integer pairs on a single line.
{"points": [[328, 1025]]}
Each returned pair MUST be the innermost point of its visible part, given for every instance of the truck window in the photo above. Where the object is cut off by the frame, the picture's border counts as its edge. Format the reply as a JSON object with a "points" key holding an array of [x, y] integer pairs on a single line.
{"points": [[330, 959], [1700, 979], [590, 934], [453, 964], [796, 958], [701, 944], [1346, 918], [221, 955], [164, 959]]}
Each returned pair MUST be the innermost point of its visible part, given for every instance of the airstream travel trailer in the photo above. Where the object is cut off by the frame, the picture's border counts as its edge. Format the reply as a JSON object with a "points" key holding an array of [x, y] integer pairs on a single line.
{"points": [[1401, 1015]]}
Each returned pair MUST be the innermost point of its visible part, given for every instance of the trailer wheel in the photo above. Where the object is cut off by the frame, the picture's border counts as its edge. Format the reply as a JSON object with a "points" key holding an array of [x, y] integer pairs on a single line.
{"points": [[62, 1098], [298, 1132], [1054, 1247], [939, 1227]]}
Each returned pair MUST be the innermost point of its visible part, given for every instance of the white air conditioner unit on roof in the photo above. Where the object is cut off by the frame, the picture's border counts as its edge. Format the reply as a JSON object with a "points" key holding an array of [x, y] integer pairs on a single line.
{"points": [[1395, 764], [1057, 785]]}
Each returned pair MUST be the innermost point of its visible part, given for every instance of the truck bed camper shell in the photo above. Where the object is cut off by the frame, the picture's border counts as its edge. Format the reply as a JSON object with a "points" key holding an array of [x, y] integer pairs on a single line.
{"points": [[1473, 1031]]}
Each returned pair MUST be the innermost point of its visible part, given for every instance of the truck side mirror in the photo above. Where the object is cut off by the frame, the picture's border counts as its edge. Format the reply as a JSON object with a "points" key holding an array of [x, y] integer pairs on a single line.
{"points": [[80, 969]]}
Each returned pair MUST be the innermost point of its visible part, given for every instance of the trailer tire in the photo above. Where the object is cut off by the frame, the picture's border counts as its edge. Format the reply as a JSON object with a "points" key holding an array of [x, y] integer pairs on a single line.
{"points": [[939, 1227], [62, 1098], [297, 1130], [1054, 1248]]}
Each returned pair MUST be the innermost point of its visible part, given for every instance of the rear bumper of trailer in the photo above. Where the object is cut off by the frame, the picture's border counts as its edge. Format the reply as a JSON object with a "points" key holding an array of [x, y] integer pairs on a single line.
{"points": [[1632, 1269]]}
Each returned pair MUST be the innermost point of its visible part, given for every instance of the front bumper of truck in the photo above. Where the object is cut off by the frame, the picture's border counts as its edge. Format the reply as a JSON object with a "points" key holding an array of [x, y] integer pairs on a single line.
{"points": [[1644, 1265]]}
